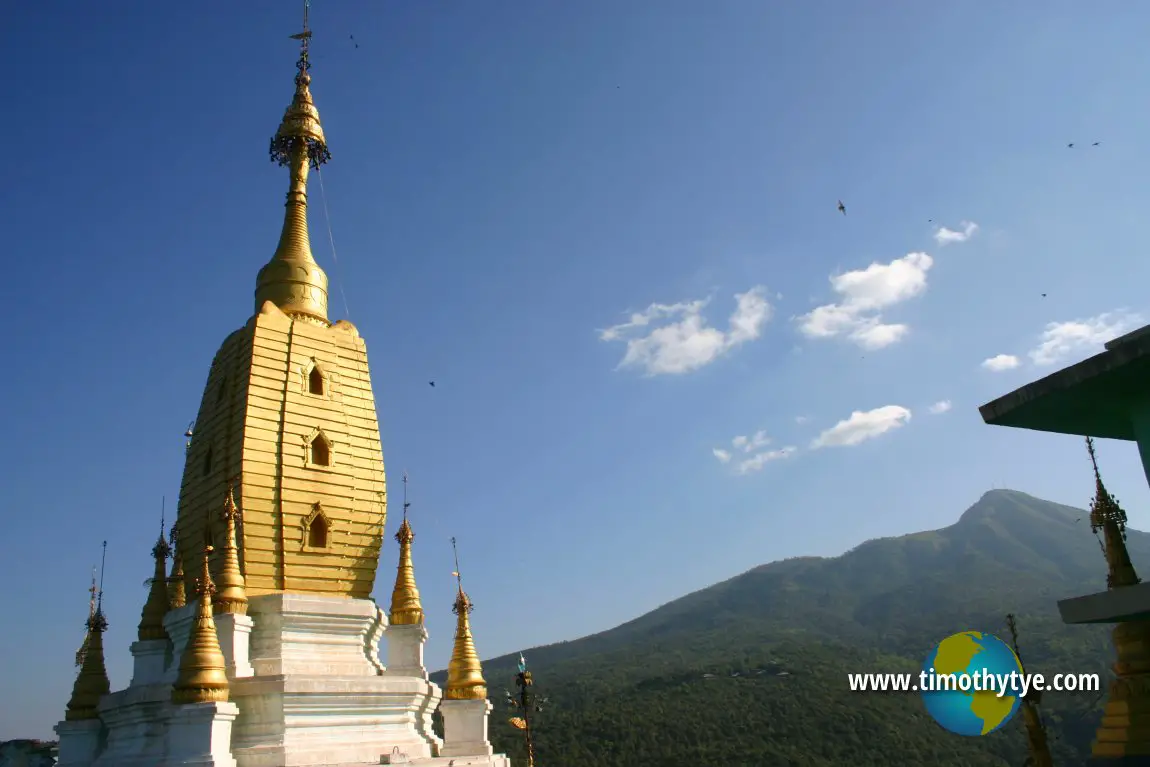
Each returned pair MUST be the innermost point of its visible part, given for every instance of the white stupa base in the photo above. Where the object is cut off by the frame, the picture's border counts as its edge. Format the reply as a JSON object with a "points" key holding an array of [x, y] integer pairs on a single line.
{"points": [[201, 734], [405, 651], [178, 624], [136, 719], [149, 660], [80, 742], [319, 695], [465, 728], [235, 632]]}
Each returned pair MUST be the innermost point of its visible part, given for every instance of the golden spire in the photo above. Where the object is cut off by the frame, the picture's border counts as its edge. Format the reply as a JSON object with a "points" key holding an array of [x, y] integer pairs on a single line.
{"points": [[177, 594], [464, 672], [292, 280], [406, 609], [92, 682], [91, 614], [156, 606], [230, 596], [1106, 515], [1031, 716], [203, 677]]}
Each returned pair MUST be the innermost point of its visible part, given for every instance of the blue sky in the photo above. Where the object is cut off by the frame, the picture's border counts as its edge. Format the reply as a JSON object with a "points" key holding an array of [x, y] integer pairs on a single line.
{"points": [[510, 182]]}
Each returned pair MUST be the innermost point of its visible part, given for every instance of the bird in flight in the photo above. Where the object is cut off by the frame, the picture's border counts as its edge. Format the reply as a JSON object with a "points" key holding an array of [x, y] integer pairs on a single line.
{"points": [[1070, 145], [352, 38], [1044, 295], [842, 208], [1096, 143], [431, 384]]}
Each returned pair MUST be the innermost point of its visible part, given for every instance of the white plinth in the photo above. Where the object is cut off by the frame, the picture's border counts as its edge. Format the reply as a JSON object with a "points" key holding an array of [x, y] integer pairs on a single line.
{"points": [[136, 720], [80, 742], [201, 734], [178, 624], [465, 728], [149, 661], [317, 697], [235, 633], [405, 651]]}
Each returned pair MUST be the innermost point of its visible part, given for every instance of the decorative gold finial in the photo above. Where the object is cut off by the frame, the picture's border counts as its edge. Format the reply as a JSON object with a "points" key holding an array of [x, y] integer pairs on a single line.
{"points": [[230, 595], [1107, 516], [177, 593], [203, 677], [406, 609], [92, 681], [1031, 716], [292, 280], [156, 607], [464, 672], [91, 614]]}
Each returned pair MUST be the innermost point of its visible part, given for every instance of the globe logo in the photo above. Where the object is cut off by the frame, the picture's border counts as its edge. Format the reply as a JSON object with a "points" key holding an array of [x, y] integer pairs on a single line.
{"points": [[971, 683]]}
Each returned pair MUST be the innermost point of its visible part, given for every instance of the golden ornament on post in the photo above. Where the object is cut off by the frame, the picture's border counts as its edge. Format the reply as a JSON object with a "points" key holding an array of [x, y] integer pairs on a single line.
{"points": [[230, 596], [203, 677]]}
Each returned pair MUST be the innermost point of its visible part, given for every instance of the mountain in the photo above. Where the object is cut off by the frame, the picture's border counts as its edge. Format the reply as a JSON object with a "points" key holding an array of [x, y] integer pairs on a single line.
{"points": [[753, 671]]}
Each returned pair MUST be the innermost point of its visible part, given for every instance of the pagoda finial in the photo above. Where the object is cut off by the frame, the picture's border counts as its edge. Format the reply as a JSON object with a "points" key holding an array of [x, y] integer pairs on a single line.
{"points": [[203, 677], [230, 595], [177, 593], [464, 672], [292, 280], [92, 682], [91, 614], [1109, 518], [1031, 716], [156, 607], [406, 609]]}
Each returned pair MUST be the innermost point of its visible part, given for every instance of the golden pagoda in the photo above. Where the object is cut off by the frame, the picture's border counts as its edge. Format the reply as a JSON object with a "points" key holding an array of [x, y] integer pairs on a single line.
{"points": [[177, 595], [230, 596], [406, 609], [1125, 728], [287, 416], [156, 607], [92, 681], [203, 676], [464, 671]]}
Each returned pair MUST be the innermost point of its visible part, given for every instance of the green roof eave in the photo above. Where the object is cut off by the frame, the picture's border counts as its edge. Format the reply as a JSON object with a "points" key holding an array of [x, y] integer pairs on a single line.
{"points": [[1092, 398]]}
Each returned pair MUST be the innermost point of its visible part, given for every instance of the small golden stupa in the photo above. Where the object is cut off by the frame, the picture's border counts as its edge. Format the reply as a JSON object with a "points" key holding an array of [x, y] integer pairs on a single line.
{"points": [[406, 609], [230, 596], [203, 677], [1125, 727], [156, 607], [177, 595], [464, 672], [92, 681]]}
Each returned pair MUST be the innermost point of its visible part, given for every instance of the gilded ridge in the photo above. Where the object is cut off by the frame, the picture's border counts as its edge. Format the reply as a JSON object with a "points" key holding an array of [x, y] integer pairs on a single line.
{"points": [[230, 596], [203, 677], [292, 280], [92, 682], [464, 672], [406, 609], [1109, 518], [156, 607]]}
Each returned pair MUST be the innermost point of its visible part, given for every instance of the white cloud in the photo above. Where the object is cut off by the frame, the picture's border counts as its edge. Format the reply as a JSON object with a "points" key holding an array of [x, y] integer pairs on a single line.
{"points": [[753, 442], [1000, 362], [864, 294], [862, 426], [721, 454], [759, 460], [679, 339], [946, 236], [801, 419], [940, 407], [1079, 337]]}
